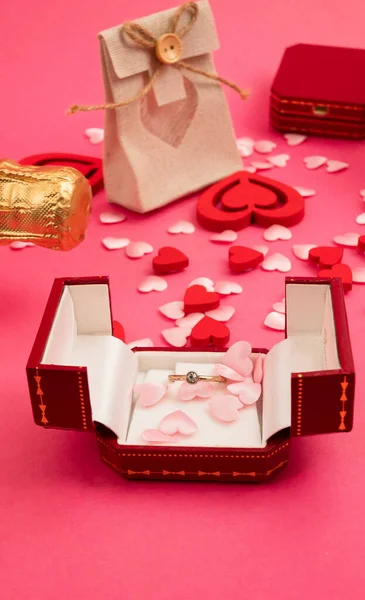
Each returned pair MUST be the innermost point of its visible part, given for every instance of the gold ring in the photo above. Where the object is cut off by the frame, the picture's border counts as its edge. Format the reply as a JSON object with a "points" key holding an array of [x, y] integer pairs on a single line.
{"points": [[192, 378]]}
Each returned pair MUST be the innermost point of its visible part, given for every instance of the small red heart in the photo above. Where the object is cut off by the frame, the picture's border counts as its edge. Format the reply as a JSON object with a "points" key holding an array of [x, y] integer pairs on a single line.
{"points": [[118, 330], [241, 258], [326, 256], [208, 332], [169, 260], [343, 271], [198, 299], [361, 243]]}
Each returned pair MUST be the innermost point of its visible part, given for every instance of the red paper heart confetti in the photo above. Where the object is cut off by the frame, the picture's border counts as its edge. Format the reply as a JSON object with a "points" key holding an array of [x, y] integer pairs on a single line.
{"points": [[197, 299], [209, 332], [326, 256], [241, 258], [169, 260], [361, 243], [340, 270]]}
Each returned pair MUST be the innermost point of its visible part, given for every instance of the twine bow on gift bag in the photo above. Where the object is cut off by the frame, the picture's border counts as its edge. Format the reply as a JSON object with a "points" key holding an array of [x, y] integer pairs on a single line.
{"points": [[168, 49]]}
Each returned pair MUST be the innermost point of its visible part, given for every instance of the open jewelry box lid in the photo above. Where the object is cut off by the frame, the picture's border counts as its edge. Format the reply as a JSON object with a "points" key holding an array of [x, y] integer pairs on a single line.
{"points": [[315, 371]]}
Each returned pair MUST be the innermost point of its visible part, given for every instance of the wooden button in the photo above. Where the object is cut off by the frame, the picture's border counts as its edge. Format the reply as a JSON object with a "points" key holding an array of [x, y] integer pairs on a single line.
{"points": [[168, 48]]}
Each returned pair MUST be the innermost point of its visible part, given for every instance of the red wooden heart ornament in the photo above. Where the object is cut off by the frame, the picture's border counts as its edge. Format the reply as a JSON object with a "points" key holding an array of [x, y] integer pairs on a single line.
{"points": [[209, 332], [241, 258], [361, 243], [341, 270], [326, 256], [169, 260], [197, 299], [118, 330]]}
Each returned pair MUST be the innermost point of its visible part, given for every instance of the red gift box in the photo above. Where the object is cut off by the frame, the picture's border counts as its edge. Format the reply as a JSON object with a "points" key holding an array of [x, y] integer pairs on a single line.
{"points": [[81, 377], [319, 90]]}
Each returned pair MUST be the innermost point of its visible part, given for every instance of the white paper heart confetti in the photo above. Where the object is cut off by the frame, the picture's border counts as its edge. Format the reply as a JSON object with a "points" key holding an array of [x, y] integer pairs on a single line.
{"points": [[181, 227], [314, 162], [334, 166], [277, 232], [304, 192], [249, 169], [294, 139], [279, 160], [276, 262], [205, 282], [263, 249], [176, 336], [143, 343], [223, 313], [261, 165], [280, 306], [153, 283], [358, 275], [226, 237], [189, 321], [20, 245], [347, 239], [360, 219], [264, 146], [245, 146], [301, 251], [110, 217], [227, 287], [94, 135], [138, 249], [275, 320], [112, 243], [173, 310]]}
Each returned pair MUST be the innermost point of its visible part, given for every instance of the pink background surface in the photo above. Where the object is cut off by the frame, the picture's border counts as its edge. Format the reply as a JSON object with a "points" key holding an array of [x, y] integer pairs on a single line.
{"points": [[69, 526]]}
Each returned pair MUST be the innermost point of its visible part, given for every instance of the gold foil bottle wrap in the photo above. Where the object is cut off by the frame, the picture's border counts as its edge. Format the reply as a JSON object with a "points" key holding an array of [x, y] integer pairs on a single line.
{"points": [[48, 206]]}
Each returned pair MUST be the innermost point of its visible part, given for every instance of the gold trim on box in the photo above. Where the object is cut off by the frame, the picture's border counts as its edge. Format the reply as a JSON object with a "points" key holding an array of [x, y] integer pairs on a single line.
{"points": [[82, 401], [40, 393], [299, 403], [343, 400], [311, 104]]}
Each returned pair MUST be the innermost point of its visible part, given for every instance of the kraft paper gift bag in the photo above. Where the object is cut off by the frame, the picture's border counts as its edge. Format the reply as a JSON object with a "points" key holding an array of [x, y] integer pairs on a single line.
{"points": [[168, 131]]}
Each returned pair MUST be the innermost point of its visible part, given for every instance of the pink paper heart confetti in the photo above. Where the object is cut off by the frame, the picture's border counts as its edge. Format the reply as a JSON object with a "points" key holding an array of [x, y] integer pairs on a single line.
{"points": [[149, 394], [264, 146], [178, 422], [113, 243], [277, 232], [279, 160], [360, 219], [226, 237], [238, 358], [358, 275], [143, 343], [222, 314], [258, 369], [301, 251], [190, 320], [202, 389], [229, 373], [347, 239], [153, 283], [275, 320], [181, 227], [314, 162], [20, 245], [261, 165], [111, 217], [173, 310], [276, 262], [228, 287], [334, 166], [263, 249], [294, 139], [304, 192], [176, 336], [95, 135], [248, 393], [138, 249], [225, 408], [280, 306], [154, 436], [205, 282]]}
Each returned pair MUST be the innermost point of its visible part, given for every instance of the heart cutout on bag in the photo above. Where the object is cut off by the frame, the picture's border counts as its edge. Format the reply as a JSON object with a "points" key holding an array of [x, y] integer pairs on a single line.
{"points": [[171, 121]]}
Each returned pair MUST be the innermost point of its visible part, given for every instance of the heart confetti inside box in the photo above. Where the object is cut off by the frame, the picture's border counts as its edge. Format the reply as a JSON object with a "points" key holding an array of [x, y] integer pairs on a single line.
{"points": [[82, 377]]}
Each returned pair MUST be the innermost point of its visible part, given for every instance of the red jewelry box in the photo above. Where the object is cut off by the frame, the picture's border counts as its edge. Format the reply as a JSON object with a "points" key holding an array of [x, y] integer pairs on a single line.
{"points": [[308, 385], [320, 90]]}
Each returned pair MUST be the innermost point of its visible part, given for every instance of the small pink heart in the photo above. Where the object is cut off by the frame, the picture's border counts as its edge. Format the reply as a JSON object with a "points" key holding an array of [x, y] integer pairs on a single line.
{"points": [[153, 283], [358, 275], [279, 160], [347, 239], [149, 393], [205, 282], [222, 314], [202, 389], [276, 262], [280, 306], [190, 320], [264, 146], [225, 237], [294, 139], [227, 287], [301, 251], [138, 249], [238, 358], [143, 343], [20, 245], [334, 166], [176, 336], [314, 162], [225, 408], [173, 310], [304, 192], [112, 243], [263, 249], [110, 217], [277, 232], [178, 422], [261, 165], [229, 373], [154, 436], [182, 227], [258, 370], [248, 393], [275, 320], [94, 135], [360, 219]]}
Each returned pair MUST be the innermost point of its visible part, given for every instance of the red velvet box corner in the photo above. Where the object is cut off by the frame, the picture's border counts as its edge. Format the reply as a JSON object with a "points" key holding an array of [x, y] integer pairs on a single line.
{"points": [[320, 90], [321, 402]]}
